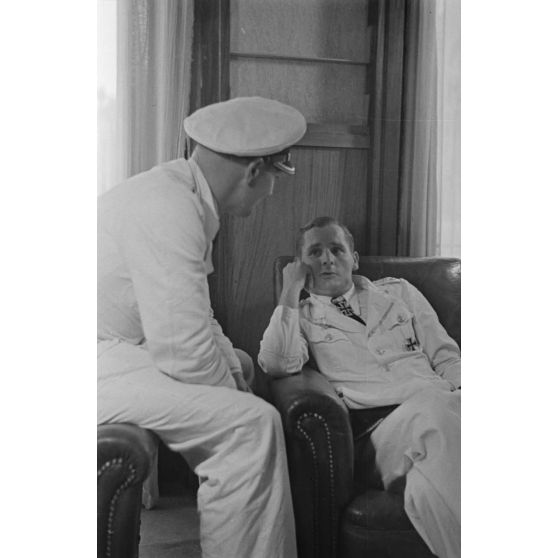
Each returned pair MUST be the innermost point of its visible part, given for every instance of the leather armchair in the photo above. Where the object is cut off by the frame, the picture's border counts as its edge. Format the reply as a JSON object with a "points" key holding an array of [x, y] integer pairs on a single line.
{"points": [[341, 509], [125, 457]]}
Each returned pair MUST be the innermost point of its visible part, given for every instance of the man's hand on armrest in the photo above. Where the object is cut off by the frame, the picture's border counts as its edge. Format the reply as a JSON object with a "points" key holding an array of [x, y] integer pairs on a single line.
{"points": [[241, 383]]}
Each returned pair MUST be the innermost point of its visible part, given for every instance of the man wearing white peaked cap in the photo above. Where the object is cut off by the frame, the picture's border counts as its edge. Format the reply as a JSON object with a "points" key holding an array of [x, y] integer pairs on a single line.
{"points": [[164, 362]]}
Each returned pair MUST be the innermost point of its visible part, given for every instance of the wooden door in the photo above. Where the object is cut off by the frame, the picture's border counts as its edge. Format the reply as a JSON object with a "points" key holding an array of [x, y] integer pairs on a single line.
{"points": [[313, 55]]}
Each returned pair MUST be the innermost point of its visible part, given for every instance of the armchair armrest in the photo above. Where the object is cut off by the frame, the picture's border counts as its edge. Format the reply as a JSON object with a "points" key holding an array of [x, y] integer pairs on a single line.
{"points": [[125, 454], [320, 453]]}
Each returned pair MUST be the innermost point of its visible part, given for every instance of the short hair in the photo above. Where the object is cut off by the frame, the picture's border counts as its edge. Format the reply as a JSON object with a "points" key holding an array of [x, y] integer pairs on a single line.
{"points": [[320, 222], [191, 145]]}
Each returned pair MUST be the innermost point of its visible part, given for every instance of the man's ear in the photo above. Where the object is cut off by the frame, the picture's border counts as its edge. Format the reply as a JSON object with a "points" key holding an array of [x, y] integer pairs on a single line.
{"points": [[355, 264], [254, 169]]}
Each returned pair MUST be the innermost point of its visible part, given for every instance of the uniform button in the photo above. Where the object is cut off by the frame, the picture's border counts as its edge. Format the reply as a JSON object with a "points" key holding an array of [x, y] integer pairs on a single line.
{"points": [[400, 319], [328, 337], [380, 351]]}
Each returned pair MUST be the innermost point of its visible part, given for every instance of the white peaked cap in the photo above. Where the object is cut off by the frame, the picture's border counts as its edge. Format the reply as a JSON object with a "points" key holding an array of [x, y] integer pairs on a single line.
{"points": [[246, 126]]}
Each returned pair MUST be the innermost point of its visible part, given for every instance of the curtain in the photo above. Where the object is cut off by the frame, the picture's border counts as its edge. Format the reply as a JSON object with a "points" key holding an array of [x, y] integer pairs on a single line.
{"points": [[141, 125], [415, 127], [418, 185], [448, 20], [106, 95]]}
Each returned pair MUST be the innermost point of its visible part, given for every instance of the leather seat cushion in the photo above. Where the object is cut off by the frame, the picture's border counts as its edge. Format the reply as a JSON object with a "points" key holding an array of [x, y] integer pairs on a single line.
{"points": [[378, 510], [375, 524]]}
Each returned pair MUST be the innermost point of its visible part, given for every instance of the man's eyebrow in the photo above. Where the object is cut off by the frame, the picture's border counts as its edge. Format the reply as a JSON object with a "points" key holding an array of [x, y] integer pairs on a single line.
{"points": [[315, 245], [319, 245]]}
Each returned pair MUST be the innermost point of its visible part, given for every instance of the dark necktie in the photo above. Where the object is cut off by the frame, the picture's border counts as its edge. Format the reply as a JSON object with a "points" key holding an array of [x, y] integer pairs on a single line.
{"points": [[345, 308]]}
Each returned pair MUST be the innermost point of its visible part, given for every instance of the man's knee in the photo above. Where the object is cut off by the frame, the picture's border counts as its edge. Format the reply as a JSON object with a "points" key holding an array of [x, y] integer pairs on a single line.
{"points": [[259, 435], [264, 414], [434, 402], [429, 410]]}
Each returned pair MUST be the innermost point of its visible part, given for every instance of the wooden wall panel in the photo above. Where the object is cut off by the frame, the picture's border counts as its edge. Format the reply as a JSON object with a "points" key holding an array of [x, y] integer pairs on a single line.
{"points": [[328, 182], [319, 28], [333, 93]]}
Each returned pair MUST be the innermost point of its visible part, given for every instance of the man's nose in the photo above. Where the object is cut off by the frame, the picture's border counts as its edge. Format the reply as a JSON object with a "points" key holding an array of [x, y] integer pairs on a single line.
{"points": [[327, 257]]}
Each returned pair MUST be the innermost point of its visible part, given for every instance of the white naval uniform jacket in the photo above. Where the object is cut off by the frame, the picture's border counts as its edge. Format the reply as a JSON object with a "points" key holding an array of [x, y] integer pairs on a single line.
{"points": [[154, 254], [401, 350]]}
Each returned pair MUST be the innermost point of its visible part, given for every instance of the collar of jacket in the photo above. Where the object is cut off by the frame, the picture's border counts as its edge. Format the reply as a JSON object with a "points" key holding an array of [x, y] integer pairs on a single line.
{"points": [[375, 305], [203, 189], [211, 221]]}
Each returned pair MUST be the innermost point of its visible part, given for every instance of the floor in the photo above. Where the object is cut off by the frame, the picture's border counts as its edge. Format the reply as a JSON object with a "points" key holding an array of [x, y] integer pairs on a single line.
{"points": [[170, 529]]}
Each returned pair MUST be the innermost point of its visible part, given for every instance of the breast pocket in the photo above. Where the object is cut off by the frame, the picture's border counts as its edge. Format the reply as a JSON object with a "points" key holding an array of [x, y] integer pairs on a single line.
{"points": [[330, 347], [325, 335], [398, 332]]}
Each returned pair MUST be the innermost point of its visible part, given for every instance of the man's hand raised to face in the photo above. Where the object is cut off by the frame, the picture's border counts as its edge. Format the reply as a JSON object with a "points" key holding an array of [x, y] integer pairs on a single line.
{"points": [[296, 276]]}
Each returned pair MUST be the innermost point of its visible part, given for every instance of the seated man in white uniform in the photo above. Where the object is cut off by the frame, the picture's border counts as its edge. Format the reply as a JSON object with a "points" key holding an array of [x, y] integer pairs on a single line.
{"points": [[379, 343], [164, 362]]}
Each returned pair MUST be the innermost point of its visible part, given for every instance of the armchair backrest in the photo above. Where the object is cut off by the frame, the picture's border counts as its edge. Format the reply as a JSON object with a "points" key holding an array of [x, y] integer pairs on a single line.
{"points": [[438, 279]]}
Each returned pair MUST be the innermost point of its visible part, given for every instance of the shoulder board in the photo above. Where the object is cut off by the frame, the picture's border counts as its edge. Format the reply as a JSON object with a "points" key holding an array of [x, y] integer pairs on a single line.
{"points": [[386, 281]]}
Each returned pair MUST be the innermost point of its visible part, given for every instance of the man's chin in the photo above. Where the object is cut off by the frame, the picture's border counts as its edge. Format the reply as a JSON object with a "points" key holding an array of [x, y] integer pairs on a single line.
{"points": [[329, 287], [326, 290]]}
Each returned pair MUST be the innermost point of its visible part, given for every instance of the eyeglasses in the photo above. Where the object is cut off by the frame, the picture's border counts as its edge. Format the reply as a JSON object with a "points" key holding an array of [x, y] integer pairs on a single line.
{"points": [[281, 161]]}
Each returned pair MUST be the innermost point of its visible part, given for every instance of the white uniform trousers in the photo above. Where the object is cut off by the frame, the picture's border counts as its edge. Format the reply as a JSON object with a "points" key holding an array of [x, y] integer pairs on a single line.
{"points": [[421, 440], [231, 439]]}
